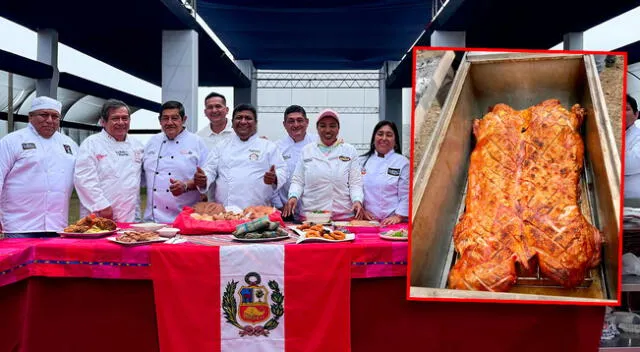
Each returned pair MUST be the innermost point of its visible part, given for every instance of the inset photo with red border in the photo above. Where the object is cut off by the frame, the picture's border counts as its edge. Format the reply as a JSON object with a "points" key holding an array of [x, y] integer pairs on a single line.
{"points": [[516, 177]]}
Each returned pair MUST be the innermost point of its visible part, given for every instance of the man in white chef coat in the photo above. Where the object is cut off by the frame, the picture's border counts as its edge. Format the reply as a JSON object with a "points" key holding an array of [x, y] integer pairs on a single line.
{"points": [[632, 151], [36, 174], [246, 170], [170, 160], [109, 167], [296, 124]]}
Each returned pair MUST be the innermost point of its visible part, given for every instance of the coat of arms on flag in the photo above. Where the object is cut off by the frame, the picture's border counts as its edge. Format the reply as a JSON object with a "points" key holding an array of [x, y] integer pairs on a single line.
{"points": [[254, 305]]}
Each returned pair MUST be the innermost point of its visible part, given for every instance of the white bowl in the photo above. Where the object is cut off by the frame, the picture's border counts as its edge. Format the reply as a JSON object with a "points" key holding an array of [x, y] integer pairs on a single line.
{"points": [[148, 226], [318, 218], [168, 231]]}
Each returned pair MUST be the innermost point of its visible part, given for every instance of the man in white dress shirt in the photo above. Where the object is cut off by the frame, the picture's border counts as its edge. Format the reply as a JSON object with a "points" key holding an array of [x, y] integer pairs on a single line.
{"points": [[247, 169], [632, 151], [170, 159], [109, 167], [296, 124], [219, 128], [36, 174]]}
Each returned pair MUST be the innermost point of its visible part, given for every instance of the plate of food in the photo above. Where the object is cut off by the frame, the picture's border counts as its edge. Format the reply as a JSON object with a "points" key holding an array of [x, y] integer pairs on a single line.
{"points": [[260, 237], [90, 226], [358, 225], [260, 230], [133, 238], [395, 235], [319, 233]]}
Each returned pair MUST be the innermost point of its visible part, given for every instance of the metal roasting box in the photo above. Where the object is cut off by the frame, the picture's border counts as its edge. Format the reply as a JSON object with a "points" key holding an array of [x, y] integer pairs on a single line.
{"points": [[519, 80]]}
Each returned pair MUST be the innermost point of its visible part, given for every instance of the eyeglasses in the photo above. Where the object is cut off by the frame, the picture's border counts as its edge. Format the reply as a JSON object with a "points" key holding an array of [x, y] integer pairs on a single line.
{"points": [[45, 115]]}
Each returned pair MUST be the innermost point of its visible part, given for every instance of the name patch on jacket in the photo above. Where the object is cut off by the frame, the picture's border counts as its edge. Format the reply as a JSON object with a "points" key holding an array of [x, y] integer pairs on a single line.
{"points": [[393, 172], [344, 158], [122, 153], [67, 148], [27, 146]]}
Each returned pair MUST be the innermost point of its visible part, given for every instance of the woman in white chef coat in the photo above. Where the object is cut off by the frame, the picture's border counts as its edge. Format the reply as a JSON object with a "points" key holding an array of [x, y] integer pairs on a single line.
{"points": [[327, 177], [386, 177], [170, 160]]}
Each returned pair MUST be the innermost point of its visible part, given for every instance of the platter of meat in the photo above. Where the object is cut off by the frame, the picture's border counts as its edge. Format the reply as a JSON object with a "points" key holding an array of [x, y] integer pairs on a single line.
{"points": [[134, 238], [521, 210], [90, 226]]}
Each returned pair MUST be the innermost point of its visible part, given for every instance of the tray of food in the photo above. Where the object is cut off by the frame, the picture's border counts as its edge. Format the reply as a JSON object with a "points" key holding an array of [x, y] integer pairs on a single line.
{"points": [[260, 230], [90, 226], [209, 217], [358, 226], [319, 233], [517, 195], [134, 238]]}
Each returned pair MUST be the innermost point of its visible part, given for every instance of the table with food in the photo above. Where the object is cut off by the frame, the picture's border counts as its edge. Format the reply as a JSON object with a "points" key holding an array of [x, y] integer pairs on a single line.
{"points": [[204, 251]]}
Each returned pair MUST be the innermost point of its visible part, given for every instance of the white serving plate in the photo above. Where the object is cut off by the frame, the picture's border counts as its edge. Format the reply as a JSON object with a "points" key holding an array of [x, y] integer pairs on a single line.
{"points": [[113, 239]]}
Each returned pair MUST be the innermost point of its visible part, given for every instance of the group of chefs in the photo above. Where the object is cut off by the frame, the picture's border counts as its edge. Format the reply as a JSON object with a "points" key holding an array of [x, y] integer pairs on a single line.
{"points": [[226, 162]]}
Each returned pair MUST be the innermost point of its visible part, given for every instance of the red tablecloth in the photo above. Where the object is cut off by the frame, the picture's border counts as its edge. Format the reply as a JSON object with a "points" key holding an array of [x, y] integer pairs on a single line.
{"points": [[63, 307]]}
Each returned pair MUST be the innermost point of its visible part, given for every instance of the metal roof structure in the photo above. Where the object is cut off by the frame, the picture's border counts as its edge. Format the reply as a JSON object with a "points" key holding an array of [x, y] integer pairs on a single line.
{"points": [[514, 24], [125, 34], [314, 35]]}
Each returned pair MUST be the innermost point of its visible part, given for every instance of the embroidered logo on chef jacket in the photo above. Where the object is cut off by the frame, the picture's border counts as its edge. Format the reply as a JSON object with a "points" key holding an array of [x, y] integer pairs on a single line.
{"points": [[255, 154], [67, 148], [393, 172], [186, 152], [27, 146], [151, 152], [344, 158], [286, 157], [122, 153]]}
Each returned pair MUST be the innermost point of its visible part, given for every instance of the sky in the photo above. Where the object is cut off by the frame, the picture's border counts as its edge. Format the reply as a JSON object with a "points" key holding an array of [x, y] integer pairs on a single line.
{"points": [[22, 41]]}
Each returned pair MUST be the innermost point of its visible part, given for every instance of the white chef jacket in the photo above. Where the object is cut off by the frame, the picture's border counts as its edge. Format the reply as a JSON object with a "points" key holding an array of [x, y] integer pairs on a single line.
{"points": [[211, 138], [328, 182], [107, 174], [386, 184], [291, 151], [237, 168], [632, 162], [164, 159], [36, 180]]}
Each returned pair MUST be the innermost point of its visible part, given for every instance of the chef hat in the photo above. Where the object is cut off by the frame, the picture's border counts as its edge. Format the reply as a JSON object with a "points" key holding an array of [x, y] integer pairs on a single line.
{"points": [[46, 103], [328, 113]]}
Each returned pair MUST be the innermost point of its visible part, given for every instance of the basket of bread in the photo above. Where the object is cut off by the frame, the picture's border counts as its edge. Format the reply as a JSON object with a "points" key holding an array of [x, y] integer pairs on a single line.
{"points": [[210, 217]]}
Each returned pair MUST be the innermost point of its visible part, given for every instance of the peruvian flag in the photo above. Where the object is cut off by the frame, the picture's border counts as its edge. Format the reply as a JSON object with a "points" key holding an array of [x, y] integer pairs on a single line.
{"points": [[259, 297]]}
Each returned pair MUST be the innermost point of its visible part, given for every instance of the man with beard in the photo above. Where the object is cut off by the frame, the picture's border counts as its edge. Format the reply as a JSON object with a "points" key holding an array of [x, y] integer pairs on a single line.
{"points": [[36, 174], [296, 124], [170, 159], [109, 166], [246, 170]]}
